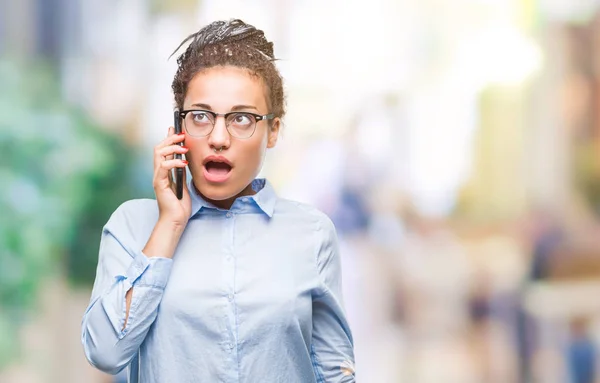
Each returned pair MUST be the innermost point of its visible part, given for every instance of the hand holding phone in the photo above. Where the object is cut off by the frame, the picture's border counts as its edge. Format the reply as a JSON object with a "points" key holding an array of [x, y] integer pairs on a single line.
{"points": [[178, 171]]}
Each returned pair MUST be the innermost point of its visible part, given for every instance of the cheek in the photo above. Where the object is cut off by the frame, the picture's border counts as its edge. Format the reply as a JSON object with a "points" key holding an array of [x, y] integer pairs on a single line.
{"points": [[192, 142], [194, 146], [254, 154]]}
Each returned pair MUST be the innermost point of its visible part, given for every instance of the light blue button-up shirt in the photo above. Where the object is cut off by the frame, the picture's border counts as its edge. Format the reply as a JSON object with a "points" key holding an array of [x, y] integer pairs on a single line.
{"points": [[252, 294]]}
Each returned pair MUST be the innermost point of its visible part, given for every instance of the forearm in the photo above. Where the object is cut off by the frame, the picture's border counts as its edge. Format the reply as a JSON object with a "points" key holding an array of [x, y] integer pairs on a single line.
{"points": [[121, 314], [107, 345], [110, 344], [163, 240], [134, 265], [332, 346], [162, 243]]}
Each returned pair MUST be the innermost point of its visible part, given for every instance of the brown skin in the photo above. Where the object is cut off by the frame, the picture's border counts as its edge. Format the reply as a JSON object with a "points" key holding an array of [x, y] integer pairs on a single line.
{"points": [[222, 88]]}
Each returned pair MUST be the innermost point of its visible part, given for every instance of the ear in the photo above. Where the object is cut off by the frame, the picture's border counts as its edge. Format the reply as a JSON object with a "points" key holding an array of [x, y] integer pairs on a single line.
{"points": [[273, 133]]}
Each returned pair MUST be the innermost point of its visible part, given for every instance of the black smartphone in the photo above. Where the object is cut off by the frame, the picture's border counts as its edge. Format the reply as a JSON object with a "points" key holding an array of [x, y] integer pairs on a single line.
{"points": [[178, 171]]}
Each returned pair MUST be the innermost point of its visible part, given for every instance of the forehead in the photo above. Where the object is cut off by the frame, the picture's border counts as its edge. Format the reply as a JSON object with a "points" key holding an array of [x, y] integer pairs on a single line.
{"points": [[226, 86]]}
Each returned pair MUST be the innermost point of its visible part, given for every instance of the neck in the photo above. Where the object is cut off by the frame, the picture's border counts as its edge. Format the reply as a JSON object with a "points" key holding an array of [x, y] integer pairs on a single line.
{"points": [[227, 203]]}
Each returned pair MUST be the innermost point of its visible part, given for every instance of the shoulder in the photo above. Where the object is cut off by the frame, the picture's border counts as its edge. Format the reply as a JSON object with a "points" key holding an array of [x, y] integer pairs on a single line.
{"points": [[135, 216], [136, 208], [307, 214], [323, 239]]}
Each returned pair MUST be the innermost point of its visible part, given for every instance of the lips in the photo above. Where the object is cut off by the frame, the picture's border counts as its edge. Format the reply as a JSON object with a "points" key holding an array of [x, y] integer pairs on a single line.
{"points": [[216, 169]]}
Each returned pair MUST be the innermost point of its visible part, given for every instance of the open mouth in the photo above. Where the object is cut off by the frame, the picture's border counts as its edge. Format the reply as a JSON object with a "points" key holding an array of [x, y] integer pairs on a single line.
{"points": [[217, 168]]}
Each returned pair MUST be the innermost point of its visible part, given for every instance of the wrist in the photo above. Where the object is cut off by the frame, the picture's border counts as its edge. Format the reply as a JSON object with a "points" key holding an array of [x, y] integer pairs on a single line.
{"points": [[171, 225], [164, 239]]}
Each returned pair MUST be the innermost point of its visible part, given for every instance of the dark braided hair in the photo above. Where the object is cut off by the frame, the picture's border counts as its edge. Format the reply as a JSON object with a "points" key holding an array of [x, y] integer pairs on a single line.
{"points": [[230, 43]]}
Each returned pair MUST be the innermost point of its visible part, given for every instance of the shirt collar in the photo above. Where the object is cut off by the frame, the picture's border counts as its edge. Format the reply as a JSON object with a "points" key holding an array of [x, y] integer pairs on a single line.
{"points": [[265, 197]]}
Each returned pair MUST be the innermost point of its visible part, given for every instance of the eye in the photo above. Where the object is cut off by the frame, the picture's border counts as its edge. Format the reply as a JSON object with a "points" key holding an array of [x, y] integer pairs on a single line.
{"points": [[242, 119], [201, 117]]}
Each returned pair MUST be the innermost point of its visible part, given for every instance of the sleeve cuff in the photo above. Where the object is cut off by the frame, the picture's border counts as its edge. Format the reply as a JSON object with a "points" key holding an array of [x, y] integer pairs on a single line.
{"points": [[146, 271]]}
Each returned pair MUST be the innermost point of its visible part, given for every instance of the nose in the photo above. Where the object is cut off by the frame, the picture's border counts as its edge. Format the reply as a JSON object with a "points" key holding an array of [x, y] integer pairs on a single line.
{"points": [[219, 137]]}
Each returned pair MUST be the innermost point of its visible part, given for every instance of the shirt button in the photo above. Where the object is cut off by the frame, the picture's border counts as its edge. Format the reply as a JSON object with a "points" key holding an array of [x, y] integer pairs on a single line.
{"points": [[230, 345], [228, 215], [230, 297]]}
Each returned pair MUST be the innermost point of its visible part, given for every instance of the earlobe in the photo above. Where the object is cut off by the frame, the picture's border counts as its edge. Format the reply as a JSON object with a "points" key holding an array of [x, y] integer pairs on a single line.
{"points": [[273, 133]]}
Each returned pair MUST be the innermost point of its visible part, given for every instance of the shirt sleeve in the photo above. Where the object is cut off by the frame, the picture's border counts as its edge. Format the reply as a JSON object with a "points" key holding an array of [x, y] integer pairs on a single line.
{"points": [[332, 348], [108, 345]]}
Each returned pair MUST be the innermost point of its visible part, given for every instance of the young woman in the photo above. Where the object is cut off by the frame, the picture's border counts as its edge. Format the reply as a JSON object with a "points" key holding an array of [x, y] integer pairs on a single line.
{"points": [[231, 283]]}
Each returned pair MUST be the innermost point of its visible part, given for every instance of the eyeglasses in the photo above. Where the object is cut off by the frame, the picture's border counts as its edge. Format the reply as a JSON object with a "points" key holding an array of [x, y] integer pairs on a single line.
{"points": [[200, 123]]}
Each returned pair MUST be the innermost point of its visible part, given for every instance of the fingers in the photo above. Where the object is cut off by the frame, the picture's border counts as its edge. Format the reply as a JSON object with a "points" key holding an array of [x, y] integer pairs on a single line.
{"points": [[162, 173], [172, 164], [162, 151], [172, 138], [170, 176], [168, 151]]}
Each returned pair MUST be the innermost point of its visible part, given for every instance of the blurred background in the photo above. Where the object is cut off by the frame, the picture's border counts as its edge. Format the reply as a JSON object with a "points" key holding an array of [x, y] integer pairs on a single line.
{"points": [[455, 144]]}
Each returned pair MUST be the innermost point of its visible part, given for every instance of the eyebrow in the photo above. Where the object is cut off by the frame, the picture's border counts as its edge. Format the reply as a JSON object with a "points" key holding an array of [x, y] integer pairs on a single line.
{"points": [[233, 109]]}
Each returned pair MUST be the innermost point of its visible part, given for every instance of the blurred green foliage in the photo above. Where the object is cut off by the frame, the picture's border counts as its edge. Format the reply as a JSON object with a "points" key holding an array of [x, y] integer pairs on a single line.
{"points": [[61, 178]]}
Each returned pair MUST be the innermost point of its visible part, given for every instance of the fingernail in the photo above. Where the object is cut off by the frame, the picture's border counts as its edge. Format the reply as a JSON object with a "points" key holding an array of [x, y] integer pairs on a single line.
{"points": [[184, 161], [185, 147], [181, 134]]}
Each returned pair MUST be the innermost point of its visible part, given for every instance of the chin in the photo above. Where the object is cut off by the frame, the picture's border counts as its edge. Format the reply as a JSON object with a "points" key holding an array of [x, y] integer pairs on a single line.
{"points": [[219, 192]]}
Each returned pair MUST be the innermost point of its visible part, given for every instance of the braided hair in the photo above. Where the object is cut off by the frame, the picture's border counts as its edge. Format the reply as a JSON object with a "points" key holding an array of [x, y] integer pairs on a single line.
{"points": [[230, 43]]}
